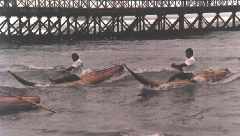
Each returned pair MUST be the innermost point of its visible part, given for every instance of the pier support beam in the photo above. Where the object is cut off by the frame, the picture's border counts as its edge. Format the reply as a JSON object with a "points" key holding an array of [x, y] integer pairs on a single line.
{"points": [[234, 19], [200, 21], [181, 21]]}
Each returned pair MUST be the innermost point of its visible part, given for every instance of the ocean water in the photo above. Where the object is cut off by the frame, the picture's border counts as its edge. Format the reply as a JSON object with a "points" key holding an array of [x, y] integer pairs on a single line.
{"points": [[114, 107]]}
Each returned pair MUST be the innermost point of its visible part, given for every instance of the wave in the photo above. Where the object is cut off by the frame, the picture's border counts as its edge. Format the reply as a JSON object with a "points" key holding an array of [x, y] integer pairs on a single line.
{"points": [[39, 68], [43, 85], [147, 70], [19, 67]]}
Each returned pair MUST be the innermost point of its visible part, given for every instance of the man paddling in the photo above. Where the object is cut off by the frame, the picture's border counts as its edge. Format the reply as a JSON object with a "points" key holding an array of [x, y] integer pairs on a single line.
{"points": [[190, 61], [77, 65], [74, 71]]}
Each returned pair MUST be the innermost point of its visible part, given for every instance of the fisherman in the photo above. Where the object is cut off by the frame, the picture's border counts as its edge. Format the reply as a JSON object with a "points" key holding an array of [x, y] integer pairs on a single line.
{"points": [[73, 72], [190, 61], [77, 66]]}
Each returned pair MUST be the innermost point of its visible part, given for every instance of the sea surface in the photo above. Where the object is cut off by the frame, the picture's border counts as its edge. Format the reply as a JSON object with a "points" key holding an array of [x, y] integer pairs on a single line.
{"points": [[114, 107]]}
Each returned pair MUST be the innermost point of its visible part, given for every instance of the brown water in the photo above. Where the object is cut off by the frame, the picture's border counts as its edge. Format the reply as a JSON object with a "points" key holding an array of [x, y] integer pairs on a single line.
{"points": [[114, 108]]}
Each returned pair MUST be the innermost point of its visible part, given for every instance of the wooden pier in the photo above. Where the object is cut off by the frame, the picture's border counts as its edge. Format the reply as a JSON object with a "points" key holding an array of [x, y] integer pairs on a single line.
{"points": [[97, 19]]}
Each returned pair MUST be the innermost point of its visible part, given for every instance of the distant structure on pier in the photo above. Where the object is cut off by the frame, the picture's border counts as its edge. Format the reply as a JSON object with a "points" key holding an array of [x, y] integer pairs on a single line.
{"points": [[97, 19]]}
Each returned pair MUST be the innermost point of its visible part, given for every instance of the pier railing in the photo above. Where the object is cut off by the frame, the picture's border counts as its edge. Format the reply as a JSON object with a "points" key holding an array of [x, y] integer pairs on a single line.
{"points": [[90, 19], [115, 3]]}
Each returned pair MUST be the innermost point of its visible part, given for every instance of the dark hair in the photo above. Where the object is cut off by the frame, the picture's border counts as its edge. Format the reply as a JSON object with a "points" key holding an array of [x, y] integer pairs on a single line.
{"points": [[189, 51], [75, 55]]}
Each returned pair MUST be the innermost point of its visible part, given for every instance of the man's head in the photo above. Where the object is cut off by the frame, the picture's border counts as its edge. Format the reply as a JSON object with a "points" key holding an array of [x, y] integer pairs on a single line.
{"points": [[189, 52], [75, 57]]}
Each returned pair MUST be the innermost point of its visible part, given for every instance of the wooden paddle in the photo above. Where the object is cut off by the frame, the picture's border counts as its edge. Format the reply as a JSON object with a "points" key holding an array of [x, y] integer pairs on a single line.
{"points": [[21, 80], [141, 79], [37, 105]]}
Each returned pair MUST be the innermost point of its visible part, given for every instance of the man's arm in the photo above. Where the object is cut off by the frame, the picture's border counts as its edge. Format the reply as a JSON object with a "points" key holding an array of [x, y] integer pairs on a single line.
{"points": [[178, 66], [69, 69], [76, 64]]}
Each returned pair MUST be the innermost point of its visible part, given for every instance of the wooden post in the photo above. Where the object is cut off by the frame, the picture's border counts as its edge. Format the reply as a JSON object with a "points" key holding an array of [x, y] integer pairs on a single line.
{"points": [[200, 21], [48, 25], [181, 21], [59, 26], [217, 25], [39, 25], [9, 26], [234, 19], [20, 26]]}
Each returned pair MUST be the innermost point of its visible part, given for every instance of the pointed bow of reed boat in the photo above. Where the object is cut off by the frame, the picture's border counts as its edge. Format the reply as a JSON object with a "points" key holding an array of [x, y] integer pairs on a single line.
{"points": [[9, 104]]}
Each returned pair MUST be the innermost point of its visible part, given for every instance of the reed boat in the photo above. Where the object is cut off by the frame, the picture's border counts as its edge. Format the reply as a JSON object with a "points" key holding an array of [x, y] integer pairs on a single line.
{"points": [[93, 77], [18, 103], [210, 75]]}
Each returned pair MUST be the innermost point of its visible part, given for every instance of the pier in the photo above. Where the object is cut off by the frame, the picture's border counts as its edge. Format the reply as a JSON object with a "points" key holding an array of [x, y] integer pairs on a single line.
{"points": [[99, 19]]}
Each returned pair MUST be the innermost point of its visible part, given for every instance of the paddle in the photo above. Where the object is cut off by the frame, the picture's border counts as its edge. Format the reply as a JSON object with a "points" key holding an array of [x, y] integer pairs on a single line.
{"points": [[21, 80], [63, 71], [140, 78], [37, 105]]}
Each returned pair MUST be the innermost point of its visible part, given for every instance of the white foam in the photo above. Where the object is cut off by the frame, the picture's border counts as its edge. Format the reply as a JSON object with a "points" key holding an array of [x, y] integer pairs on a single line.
{"points": [[39, 68], [43, 85], [155, 134], [141, 70]]}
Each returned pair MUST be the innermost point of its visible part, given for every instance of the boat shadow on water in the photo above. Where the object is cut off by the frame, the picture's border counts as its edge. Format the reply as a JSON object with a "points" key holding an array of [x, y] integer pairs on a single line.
{"points": [[15, 110], [147, 93]]}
